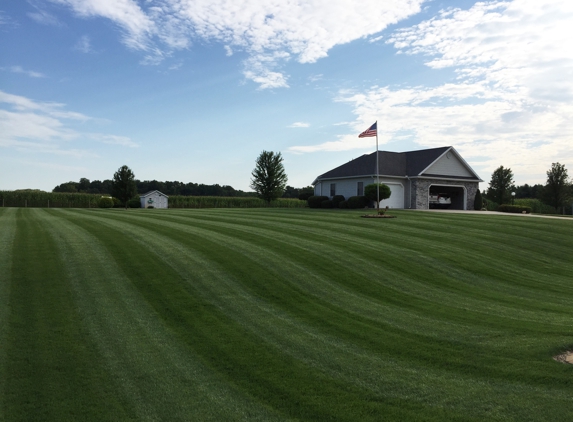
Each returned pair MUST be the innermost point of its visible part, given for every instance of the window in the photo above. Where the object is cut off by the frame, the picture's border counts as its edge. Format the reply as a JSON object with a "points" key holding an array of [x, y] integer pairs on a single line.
{"points": [[332, 189], [360, 189]]}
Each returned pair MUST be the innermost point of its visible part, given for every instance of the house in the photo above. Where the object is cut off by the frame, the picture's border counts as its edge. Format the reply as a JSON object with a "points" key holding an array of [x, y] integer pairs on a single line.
{"points": [[412, 176], [153, 199]]}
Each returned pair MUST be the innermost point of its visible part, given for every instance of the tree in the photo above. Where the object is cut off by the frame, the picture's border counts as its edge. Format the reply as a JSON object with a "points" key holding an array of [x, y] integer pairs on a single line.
{"points": [[558, 187], [373, 193], [501, 185], [123, 185], [478, 201], [269, 177]]}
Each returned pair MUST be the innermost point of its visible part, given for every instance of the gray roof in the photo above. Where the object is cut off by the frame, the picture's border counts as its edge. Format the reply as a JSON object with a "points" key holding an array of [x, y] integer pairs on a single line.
{"points": [[151, 192], [395, 164]]}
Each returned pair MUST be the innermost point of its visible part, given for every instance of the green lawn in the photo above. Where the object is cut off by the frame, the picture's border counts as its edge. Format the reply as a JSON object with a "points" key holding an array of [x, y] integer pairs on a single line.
{"points": [[283, 314]]}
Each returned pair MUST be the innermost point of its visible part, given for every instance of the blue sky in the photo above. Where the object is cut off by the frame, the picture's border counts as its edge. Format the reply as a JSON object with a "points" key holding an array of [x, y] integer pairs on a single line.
{"points": [[194, 90]]}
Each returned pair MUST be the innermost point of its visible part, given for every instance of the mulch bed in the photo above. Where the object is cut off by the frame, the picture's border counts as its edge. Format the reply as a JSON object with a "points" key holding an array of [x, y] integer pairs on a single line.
{"points": [[377, 216]]}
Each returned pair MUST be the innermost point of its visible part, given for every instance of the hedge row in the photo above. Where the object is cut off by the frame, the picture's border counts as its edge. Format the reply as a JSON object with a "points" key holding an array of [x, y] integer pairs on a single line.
{"points": [[338, 201], [518, 209]]}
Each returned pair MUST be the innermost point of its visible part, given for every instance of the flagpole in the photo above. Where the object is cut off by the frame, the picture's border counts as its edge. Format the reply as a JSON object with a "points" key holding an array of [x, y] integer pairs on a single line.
{"points": [[377, 174]]}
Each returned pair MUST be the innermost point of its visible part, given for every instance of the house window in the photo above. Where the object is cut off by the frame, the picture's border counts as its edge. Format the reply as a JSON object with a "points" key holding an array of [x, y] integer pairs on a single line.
{"points": [[360, 189], [332, 189]]}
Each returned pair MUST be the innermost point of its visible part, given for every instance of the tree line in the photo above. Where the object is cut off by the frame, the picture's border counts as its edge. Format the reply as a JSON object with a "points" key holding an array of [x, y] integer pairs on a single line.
{"points": [[557, 191]]}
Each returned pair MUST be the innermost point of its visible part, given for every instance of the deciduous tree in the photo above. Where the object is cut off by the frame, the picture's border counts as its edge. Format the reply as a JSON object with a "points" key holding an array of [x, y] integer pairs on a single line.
{"points": [[269, 178], [558, 187], [123, 185], [501, 185]]}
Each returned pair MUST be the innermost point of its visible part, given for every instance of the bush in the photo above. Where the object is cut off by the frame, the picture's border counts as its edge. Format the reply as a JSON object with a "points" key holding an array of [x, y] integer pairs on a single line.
{"points": [[336, 200], [518, 209], [117, 203], [373, 192], [134, 203], [343, 205], [316, 201], [305, 195], [327, 204], [491, 205], [105, 202], [536, 205], [355, 202]]}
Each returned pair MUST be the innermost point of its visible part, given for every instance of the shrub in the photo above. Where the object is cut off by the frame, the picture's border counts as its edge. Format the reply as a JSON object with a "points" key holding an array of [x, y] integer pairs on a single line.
{"points": [[316, 201], [514, 208], [536, 205], [478, 201], [343, 205], [336, 200], [355, 202], [134, 203], [327, 204], [491, 205], [117, 203], [305, 195], [105, 202], [373, 192]]}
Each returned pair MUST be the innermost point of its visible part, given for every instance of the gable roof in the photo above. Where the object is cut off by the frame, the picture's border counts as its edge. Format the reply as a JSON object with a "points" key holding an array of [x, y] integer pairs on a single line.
{"points": [[152, 192], [396, 164]]}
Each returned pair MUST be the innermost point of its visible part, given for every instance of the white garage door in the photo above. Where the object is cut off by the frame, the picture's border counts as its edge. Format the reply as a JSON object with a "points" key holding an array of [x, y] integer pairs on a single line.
{"points": [[396, 200]]}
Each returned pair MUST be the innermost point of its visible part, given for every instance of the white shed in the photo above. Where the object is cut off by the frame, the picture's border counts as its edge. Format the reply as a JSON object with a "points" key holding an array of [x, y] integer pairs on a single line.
{"points": [[153, 199]]}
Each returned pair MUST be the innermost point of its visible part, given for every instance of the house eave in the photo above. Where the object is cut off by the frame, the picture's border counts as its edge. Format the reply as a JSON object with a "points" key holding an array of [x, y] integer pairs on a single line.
{"points": [[319, 179]]}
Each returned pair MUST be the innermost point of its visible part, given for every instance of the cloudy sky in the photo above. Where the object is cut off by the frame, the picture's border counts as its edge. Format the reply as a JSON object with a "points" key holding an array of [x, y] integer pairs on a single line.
{"points": [[194, 90]]}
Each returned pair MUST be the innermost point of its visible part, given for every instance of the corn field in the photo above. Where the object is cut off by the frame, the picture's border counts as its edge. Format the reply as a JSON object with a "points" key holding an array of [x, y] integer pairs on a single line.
{"points": [[39, 199], [179, 201]]}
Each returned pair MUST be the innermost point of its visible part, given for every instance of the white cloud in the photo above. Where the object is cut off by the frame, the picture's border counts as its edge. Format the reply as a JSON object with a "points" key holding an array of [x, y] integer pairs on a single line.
{"points": [[269, 32], [19, 69], [42, 16], [42, 127], [83, 45], [512, 101], [300, 124]]}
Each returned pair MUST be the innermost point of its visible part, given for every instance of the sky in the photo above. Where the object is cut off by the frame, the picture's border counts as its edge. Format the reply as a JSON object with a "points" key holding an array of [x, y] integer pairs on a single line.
{"points": [[195, 90]]}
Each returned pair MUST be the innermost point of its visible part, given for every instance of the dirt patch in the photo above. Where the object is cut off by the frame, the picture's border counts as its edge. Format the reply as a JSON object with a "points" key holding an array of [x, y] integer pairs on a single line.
{"points": [[565, 357], [377, 216]]}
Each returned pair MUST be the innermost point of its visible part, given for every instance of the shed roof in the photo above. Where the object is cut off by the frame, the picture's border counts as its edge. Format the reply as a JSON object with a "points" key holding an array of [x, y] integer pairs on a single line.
{"points": [[152, 192]]}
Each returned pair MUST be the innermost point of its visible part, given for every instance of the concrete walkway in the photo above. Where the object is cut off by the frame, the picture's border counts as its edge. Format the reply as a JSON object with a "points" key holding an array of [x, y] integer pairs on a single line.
{"points": [[509, 214]]}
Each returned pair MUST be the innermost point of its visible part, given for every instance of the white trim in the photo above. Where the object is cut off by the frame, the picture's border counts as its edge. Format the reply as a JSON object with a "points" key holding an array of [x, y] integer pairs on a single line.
{"points": [[451, 186]]}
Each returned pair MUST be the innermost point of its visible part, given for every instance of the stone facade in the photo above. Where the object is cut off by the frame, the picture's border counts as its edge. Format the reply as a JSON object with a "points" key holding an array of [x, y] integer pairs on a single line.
{"points": [[421, 188]]}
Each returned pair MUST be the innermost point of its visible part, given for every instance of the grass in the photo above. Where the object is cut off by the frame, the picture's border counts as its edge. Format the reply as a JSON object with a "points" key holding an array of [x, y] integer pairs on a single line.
{"points": [[283, 314]]}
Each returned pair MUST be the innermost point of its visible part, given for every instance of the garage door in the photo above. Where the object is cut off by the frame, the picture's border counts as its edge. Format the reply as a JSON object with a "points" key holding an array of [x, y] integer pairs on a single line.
{"points": [[396, 199]]}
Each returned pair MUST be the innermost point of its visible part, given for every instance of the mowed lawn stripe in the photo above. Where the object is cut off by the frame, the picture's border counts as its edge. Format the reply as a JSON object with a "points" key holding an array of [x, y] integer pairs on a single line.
{"points": [[234, 351], [51, 368], [422, 279], [144, 226], [7, 233], [158, 376]]}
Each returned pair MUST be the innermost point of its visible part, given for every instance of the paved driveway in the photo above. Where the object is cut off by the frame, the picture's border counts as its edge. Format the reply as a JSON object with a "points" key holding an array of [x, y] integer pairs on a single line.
{"points": [[509, 214]]}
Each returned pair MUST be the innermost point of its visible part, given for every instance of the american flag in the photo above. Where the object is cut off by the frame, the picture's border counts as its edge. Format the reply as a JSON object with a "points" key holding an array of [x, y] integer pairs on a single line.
{"points": [[371, 131]]}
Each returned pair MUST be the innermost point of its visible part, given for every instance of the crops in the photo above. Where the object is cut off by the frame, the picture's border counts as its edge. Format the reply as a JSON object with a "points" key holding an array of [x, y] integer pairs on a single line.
{"points": [[179, 201], [36, 198], [40, 199], [283, 314]]}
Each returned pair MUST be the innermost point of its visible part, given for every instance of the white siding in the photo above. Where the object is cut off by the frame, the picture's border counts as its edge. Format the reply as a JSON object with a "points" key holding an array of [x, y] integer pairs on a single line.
{"points": [[449, 165], [155, 199], [349, 187]]}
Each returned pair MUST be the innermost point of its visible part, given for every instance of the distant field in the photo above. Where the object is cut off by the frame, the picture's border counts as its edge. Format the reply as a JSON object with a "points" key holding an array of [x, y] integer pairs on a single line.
{"points": [[283, 314]]}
